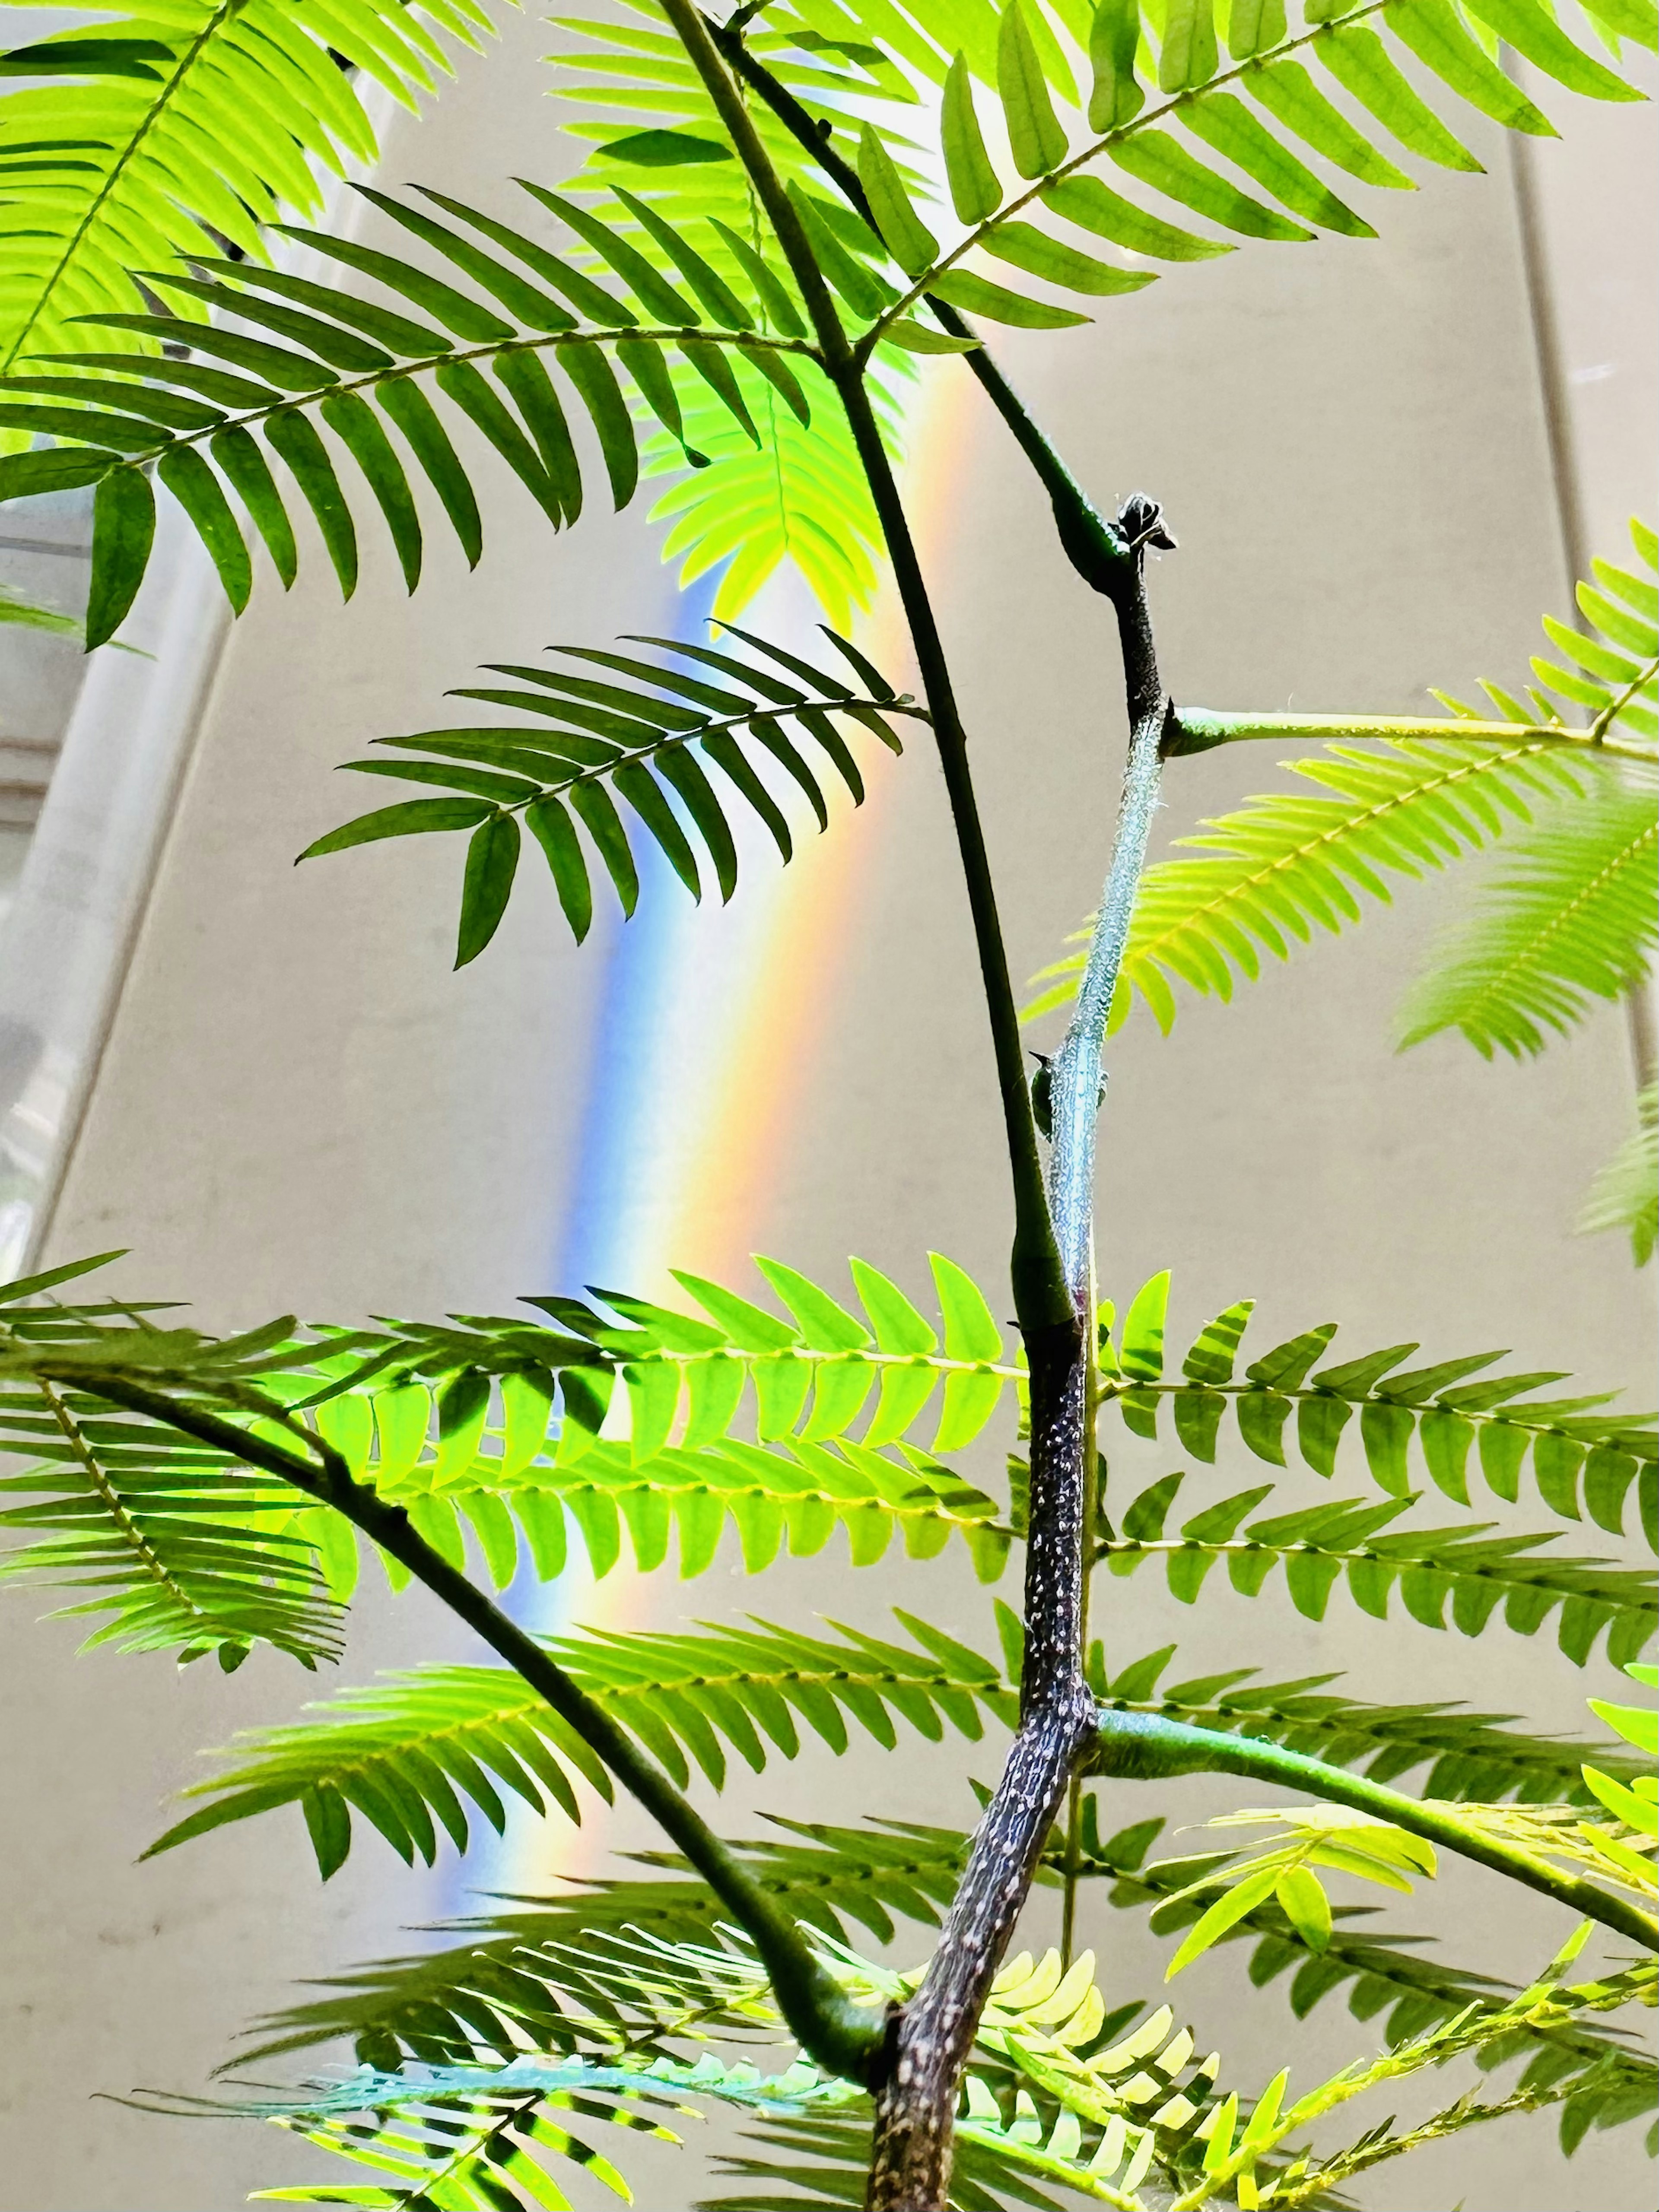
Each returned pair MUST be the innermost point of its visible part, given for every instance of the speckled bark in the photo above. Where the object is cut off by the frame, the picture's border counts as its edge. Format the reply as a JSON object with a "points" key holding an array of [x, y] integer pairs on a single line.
{"points": [[929, 2040]]}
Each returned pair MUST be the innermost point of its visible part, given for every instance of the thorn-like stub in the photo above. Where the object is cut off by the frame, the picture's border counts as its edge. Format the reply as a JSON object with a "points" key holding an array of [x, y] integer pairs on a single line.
{"points": [[1140, 523]]}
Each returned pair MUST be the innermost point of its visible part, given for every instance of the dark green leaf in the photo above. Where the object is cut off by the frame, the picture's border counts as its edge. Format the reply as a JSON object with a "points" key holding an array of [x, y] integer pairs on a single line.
{"points": [[587, 298], [358, 429], [250, 477], [779, 308], [531, 307], [651, 288], [640, 788], [709, 286], [554, 831], [595, 379], [60, 468], [663, 150], [492, 860], [525, 377], [123, 531], [679, 767], [593, 803], [197, 490], [292, 436], [407, 821], [453, 311], [460, 381], [402, 398]]}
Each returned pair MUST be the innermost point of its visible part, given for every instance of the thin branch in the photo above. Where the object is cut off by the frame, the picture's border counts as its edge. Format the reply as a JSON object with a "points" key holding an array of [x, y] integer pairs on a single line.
{"points": [[1075, 1075], [1089, 541], [839, 2036], [1146, 1746], [1039, 1295], [1196, 729]]}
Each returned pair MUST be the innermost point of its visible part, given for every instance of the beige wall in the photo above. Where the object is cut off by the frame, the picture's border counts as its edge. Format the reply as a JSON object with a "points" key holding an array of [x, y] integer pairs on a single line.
{"points": [[299, 1107]]}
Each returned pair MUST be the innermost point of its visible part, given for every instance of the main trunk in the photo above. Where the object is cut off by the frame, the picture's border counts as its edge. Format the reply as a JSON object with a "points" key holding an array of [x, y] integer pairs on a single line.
{"points": [[930, 2039]]}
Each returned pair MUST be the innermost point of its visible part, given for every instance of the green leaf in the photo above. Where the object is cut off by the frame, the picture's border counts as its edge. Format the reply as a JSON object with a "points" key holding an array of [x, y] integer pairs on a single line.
{"points": [[197, 490], [554, 831], [1155, 158], [1088, 203], [1228, 1909], [525, 379], [1286, 90], [664, 149], [1035, 135], [492, 860], [1254, 26], [1533, 32], [355, 425], [407, 821], [912, 245], [249, 475], [1225, 123], [1114, 34], [296, 439], [595, 378], [977, 295], [1188, 58], [1030, 249], [1569, 920], [1300, 1895], [975, 192], [123, 531], [1435, 34], [1361, 63]]}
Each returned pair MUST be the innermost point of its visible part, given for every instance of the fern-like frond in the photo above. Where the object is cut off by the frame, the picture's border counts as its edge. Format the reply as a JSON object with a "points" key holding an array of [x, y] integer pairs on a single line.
{"points": [[1326, 1545], [304, 352], [183, 127], [1263, 134], [1583, 1460], [172, 1545], [456, 1422], [1571, 917], [1624, 1194], [1550, 2001], [1286, 865], [646, 731], [632, 95], [1049, 2097], [410, 1753], [551, 1977]]}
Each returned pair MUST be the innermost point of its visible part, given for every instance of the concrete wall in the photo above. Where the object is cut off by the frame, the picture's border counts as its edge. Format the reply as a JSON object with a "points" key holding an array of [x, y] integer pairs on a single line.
{"points": [[299, 1107]]}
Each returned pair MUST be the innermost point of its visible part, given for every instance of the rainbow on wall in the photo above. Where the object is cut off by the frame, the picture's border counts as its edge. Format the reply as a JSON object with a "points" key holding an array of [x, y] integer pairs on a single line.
{"points": [[703, 1037]]}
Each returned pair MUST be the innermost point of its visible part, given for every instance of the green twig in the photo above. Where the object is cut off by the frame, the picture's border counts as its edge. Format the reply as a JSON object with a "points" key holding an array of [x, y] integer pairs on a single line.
{"points": [[1146, 1747], [838, 2035]]}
